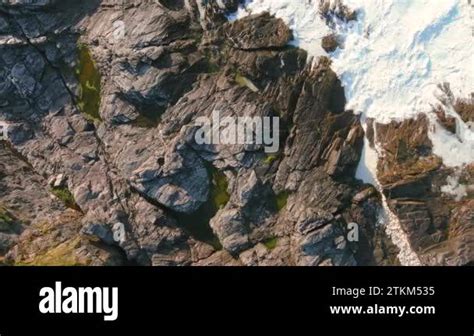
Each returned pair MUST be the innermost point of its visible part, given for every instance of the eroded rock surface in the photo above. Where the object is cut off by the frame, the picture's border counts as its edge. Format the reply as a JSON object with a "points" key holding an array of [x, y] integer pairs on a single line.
{"points": [[102, 98], [433, 202]]}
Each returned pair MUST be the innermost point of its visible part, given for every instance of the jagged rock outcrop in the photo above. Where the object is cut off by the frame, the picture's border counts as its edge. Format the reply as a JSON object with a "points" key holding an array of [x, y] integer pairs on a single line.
{"points": [[330, 43], [102, 100], [336, 9], [433, 202], [36, 228]]}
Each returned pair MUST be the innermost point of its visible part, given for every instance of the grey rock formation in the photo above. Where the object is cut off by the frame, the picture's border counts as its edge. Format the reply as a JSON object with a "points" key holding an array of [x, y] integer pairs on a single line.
{"points": [[102, 97]]}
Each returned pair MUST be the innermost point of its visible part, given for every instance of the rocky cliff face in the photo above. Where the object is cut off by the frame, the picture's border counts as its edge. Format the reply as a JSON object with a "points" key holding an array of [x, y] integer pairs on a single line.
{"points": [[101, 166], [432, 201]]}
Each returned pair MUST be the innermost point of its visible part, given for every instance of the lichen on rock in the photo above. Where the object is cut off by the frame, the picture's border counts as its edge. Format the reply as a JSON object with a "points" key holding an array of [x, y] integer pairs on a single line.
{"points": [[89, 78]]}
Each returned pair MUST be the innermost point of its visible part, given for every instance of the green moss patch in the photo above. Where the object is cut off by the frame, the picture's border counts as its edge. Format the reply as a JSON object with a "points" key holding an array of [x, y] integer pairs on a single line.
{"points": [[66, 197], [219, 194], [89, 85], [282, 200], [271, 243], [61, 255], [270, 158], [6, 220]]}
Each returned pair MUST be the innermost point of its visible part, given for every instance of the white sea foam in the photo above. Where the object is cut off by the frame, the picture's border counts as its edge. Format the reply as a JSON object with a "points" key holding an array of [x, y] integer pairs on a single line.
{"points": [[454, 188], [397, 54], [394, 57]]}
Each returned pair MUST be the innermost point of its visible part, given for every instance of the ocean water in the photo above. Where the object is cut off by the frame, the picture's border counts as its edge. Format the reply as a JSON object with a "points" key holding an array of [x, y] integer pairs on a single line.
{"points": [[394, 58]]}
